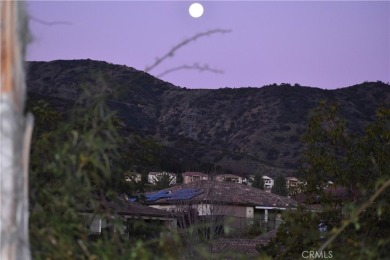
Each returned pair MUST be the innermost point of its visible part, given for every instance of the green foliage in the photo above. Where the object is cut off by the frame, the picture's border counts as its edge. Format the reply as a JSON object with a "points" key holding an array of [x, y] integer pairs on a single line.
{"points": [[163, 181], [302, 230], [134, 185], [179, 178], [72, 168], [46, 118], [254, 230], [69, 163], [142, 154], [356, 163], [325, 158], [280, 186], [258, 182]]}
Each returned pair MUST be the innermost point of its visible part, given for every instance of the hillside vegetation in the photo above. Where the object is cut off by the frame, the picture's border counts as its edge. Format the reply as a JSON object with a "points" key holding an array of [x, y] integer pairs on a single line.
{"points": [[245, 130]]}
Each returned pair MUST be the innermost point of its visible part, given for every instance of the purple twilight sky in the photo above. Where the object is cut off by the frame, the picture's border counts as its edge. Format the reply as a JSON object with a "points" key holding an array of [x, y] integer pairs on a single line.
{"points": [[320, 44]]}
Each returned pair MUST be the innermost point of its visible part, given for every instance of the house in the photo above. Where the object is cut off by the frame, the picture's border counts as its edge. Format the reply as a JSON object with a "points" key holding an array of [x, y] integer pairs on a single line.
{"points": [[132, 176], [291, 182], [232, 204], [154, 176], [228, 178], [189, 177], [129, 214], [248, 180], [268, 182], [294, 185]]}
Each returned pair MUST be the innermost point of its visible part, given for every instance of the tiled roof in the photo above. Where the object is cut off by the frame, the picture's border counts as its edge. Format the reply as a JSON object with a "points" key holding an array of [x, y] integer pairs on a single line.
{"points": [[135, 209], [122, 207], [228, 175], [238, 246], [246, 247], [194, 173], [267, 237], [229, 193]]}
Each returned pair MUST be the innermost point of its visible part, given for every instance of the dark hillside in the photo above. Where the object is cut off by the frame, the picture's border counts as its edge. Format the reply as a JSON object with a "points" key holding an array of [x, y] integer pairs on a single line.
{"points": [[243, 129]]}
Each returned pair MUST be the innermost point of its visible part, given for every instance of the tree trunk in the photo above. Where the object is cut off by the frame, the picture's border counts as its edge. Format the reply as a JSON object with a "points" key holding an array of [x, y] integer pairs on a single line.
{"points": [[15, 133]]}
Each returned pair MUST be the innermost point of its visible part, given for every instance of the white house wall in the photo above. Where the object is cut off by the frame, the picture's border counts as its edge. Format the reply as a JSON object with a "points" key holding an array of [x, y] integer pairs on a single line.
{"points": [[250, 212]]}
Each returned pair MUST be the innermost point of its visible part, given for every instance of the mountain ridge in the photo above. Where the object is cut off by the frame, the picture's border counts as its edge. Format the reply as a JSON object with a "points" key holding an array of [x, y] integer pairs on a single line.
{"points": [[246, 130]]}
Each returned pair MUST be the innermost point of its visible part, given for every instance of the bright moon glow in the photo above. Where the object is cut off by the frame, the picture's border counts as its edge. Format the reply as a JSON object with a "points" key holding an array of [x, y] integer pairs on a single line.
{"points": [[196, 10]]}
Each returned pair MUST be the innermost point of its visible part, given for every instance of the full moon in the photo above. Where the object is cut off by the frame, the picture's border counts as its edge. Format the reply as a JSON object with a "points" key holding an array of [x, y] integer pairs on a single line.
{"points": [[196, 10]]}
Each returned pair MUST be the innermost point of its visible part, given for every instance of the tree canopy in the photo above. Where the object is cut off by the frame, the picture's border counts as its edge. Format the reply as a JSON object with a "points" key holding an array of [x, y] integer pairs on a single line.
{"points": [[358, 165], [163, 181], [258, 182], [76, 164], [280, 186]]}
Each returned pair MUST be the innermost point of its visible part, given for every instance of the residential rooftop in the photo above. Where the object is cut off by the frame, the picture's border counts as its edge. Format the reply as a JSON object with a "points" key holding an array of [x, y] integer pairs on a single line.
{"points": [[194, 173], [247, 247], [121, 206], [228, 193]]}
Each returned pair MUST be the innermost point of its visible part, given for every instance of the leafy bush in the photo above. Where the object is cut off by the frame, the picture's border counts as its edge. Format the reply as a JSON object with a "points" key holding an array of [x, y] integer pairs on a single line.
{"points": [[359, 165], [72, 166]]}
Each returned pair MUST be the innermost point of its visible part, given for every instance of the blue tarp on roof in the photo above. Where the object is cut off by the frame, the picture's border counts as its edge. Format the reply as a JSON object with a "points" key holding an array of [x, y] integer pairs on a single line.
{"points": [[158, 195], [185, 194]]}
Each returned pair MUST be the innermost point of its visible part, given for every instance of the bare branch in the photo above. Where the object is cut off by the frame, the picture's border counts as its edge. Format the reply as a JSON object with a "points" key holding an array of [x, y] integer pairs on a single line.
{"points": [[195, 66], [172, 51], [49, 23]]}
